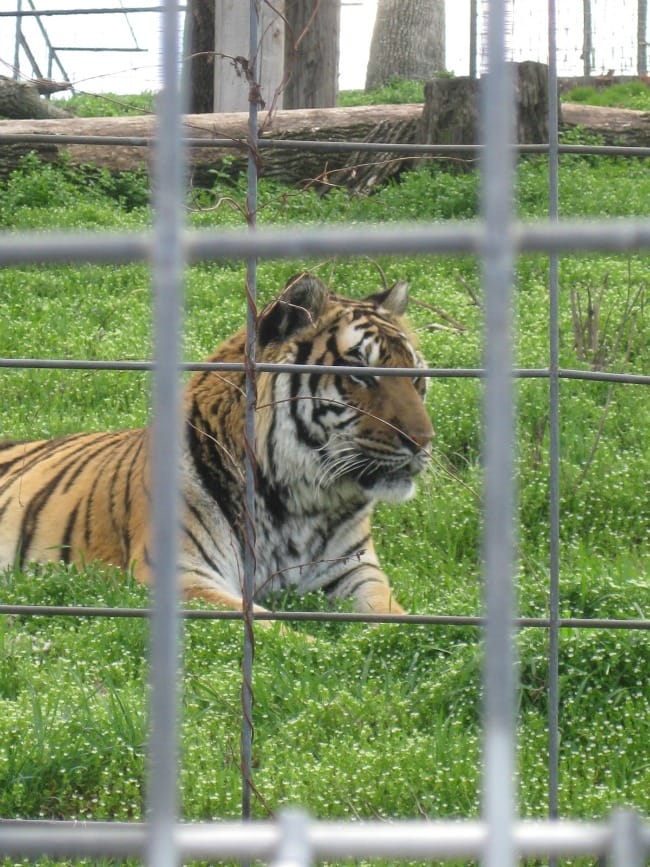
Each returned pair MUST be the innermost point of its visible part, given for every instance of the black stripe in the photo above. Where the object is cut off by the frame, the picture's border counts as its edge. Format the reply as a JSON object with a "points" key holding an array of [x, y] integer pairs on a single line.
{"points": [[358, 548], [270, 440], [333, 586], [353, 589], [120, 460], [67, 535], [9, 444], [204, 554], [302, 432], [206, 526], [39, 500], [31, 455], [30, 518], [275, 499], [218, 480], [126, 533], [105, 441]]}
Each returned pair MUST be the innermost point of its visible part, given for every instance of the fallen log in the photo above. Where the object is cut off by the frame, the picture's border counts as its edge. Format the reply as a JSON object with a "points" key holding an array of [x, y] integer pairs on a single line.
{"points": [[22, 99], [377, 123], [616, 126], [292, 166]]}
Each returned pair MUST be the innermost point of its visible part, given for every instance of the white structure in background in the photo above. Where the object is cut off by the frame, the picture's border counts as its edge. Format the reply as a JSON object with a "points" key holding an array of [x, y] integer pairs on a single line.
{"points": [[231, 26]]}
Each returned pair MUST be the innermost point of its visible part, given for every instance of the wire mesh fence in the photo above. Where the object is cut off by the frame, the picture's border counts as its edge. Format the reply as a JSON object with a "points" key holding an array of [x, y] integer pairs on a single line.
{"points": [[594, 38], [497, 238]]}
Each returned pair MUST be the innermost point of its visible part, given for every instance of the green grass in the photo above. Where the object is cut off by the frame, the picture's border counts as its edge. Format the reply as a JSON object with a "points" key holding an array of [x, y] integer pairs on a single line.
{"points": [[112, 104], [395, 91], [363, 721], [627, 94], [108, 104]]}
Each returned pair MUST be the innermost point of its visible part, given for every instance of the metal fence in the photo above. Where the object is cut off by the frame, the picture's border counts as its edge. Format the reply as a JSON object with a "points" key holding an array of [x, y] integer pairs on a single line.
{"points": [[594, 38], [499, 838]]}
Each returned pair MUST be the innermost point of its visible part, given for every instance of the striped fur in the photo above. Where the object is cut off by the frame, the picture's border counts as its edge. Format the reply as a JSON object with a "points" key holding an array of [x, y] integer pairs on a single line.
{"points": [[327, 447]]}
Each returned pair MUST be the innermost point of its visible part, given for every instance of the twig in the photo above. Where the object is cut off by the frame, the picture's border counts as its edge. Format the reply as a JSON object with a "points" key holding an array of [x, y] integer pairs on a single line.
{"points": [[456, 325], [469, 289]]}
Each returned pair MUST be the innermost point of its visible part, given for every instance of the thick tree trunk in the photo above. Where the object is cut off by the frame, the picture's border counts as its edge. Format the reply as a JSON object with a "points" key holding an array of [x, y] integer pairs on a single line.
{"points": [[311, 53], [451, 108], [408, 41], [199, 55]]}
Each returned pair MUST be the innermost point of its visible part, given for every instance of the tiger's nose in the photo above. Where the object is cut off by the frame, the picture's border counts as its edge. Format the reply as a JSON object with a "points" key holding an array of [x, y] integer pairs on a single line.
{"points": [[417, 438]]}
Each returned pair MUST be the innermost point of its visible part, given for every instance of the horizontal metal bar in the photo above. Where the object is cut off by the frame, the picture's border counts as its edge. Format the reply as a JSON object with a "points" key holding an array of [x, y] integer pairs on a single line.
{"points": [[109, 10], [340, 369], [309, 145], [618, 236], [407, 839], [96, 50], [604, 376], [461, 620]]}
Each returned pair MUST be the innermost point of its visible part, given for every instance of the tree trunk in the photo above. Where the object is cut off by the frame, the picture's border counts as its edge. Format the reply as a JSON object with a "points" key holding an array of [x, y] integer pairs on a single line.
{"points": [[451, 108], [408, 41], [311, 53], [199, 54]]}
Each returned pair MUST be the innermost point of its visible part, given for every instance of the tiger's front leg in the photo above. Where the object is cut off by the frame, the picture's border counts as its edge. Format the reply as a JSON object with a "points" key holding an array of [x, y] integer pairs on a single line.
{"points": [[369, 589], [376, 598], [197, 586]]}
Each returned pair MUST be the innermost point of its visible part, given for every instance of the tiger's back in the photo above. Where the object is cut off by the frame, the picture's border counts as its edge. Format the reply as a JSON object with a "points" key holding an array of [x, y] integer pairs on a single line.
{"points": [[76, 499]]}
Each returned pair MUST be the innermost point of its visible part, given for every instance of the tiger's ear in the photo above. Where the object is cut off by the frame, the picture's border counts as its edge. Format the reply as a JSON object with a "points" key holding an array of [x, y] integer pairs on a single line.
{"points": [[395, 299], [299, 305]]}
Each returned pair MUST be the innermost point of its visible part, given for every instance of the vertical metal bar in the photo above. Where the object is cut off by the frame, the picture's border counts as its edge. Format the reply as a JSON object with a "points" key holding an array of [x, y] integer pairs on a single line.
{"points": [[18, 37], [167, 278], [497, 99], [554, 428], [52, 53], [249, 428], [642, 37]]}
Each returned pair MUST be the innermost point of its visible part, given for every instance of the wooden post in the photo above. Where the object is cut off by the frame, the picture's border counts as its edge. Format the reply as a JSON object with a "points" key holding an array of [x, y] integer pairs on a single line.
{"points": [[231, 24]]}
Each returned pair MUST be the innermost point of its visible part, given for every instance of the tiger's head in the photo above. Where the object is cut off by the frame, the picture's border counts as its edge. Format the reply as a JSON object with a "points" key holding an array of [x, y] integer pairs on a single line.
{"points": [[352, 433]]}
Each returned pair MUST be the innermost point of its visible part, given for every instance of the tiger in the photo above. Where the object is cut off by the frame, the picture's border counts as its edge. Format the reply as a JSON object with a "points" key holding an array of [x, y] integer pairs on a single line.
{"points": [[327, 448]]}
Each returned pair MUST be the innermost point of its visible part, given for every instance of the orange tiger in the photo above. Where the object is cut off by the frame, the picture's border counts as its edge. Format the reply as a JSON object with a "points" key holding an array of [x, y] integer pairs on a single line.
{"points": [[328, 447]]}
